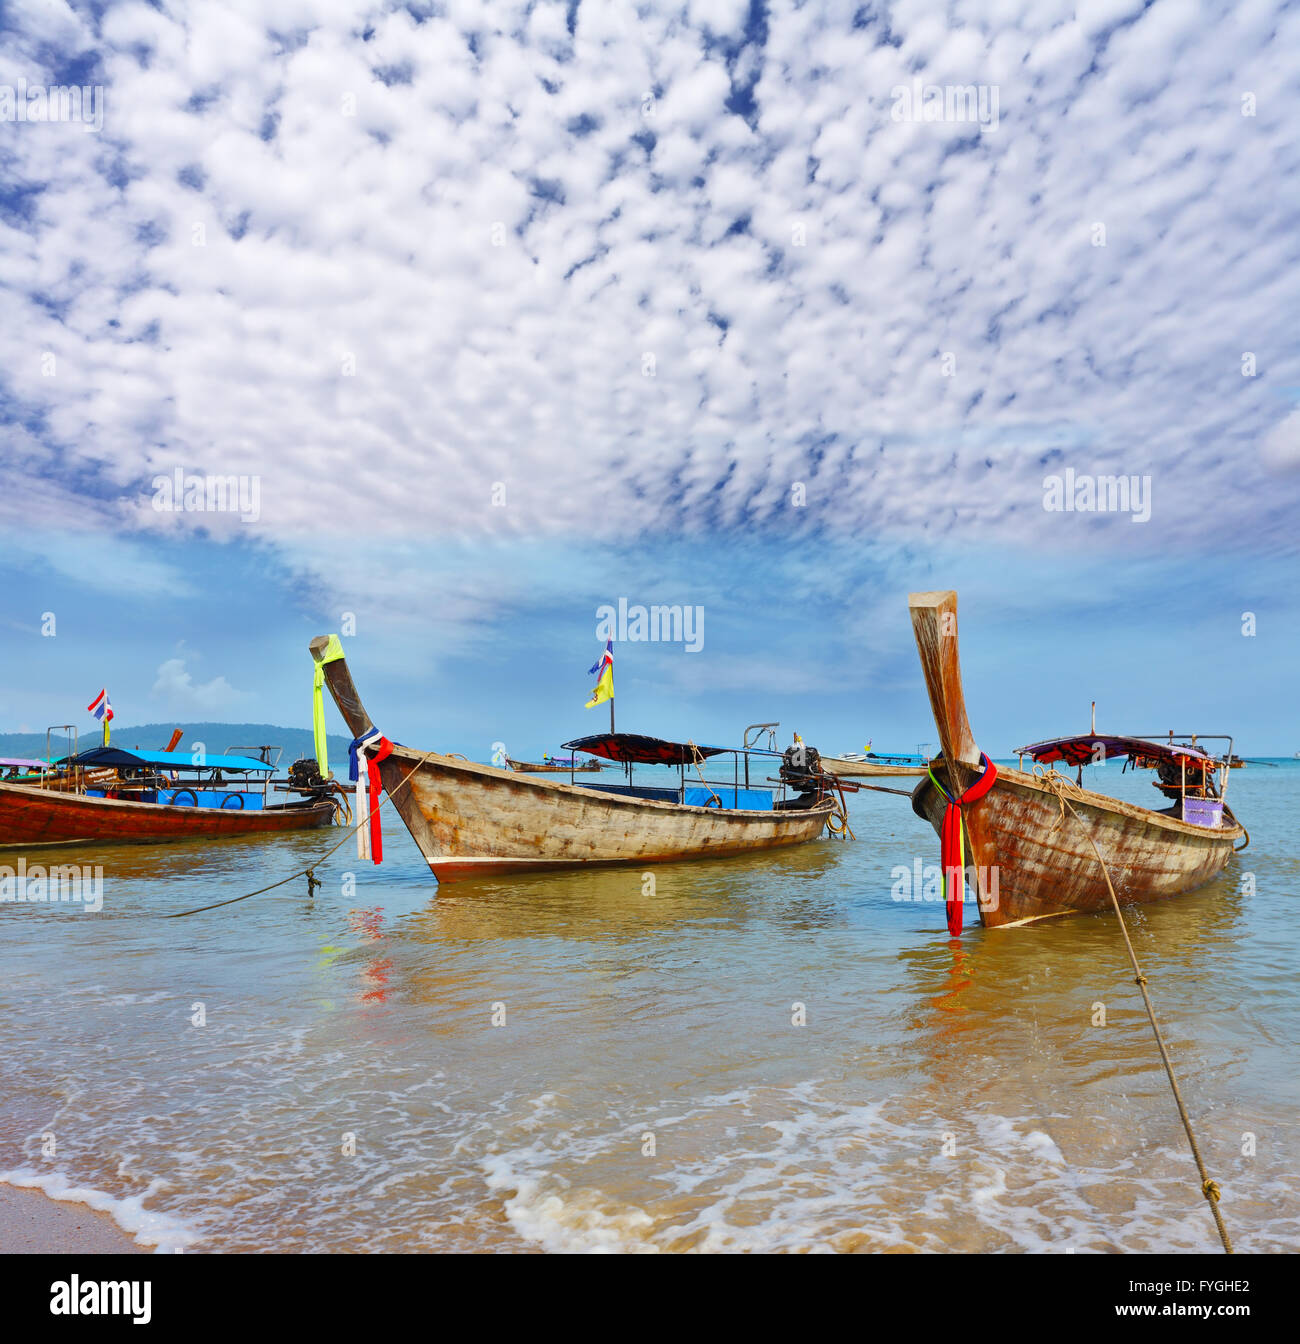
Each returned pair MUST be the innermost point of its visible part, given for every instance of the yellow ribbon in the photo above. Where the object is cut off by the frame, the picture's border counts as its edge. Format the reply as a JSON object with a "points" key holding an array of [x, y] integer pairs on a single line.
{"points": [[332, 652]]}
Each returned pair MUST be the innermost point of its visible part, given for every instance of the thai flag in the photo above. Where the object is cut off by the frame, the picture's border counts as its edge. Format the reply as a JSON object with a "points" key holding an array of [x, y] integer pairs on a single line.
{"points": [[101, 708], [605, 659]]}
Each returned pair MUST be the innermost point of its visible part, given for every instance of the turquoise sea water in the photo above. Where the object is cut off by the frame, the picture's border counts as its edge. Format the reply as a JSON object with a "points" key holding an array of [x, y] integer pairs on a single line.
{"points": [[645, 1086]]}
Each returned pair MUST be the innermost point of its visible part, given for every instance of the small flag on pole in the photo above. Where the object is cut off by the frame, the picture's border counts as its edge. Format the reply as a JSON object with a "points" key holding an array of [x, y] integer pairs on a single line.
{"points": [[603, 671], [101, 707]]}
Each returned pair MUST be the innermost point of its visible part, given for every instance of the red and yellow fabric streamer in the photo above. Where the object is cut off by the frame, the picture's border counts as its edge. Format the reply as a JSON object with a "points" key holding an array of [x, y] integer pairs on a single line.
{"points": [[952, 839]]}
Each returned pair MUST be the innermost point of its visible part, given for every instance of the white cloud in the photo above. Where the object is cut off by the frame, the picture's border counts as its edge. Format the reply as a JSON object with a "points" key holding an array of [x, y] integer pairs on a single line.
{"points": [[724, 18], [175, 687], [1282, 447], [370, 241]]}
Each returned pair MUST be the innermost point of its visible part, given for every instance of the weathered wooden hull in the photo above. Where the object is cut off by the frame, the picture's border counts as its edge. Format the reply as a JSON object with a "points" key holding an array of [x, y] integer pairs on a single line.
{"points": [[30, 817], [478, 820], [836, 765], [471, 820], [1029, 862]]}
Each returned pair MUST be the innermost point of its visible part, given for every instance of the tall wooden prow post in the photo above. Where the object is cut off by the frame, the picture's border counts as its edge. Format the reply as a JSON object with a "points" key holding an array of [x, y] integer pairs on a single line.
{"points": [[339, 681], [392, 772], [934, 623]]}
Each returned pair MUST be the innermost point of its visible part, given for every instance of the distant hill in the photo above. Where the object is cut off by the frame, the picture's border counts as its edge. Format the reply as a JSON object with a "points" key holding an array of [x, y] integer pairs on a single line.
{"points": [[216, 737]]}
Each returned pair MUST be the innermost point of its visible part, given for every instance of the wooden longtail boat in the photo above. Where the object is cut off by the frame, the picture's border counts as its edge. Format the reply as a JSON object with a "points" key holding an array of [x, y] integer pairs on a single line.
{"points": [[471, 820], [867, 767], [112, 796], [554, 767], [1028, 857]]}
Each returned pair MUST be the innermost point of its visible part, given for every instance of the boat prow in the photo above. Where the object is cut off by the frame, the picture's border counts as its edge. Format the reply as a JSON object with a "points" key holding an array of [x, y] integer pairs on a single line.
{"points": [[1029, 852]]}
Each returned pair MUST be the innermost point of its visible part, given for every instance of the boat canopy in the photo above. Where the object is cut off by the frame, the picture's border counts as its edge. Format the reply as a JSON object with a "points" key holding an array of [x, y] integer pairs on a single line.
{"points": [[1089, 747], [637, 750], [23, 761], [117, 758]]}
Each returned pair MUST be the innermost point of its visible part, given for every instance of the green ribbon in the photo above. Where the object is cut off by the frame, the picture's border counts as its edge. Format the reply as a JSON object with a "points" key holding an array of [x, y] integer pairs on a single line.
{"points": [[332, 652]]}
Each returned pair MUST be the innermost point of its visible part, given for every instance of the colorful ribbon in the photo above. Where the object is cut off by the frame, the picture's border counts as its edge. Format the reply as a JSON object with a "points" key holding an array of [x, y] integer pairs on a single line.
{"points": [[372, 734], [952, 839], [370, 839], [333, 651]]}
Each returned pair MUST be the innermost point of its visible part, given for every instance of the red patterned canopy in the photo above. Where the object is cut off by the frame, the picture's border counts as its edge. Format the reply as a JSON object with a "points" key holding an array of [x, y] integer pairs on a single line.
{"points": [[640, 750], [1088, 748]]}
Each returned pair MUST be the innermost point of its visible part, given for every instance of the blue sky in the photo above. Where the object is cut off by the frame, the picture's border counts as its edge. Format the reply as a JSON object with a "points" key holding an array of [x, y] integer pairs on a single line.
{"points": [[511, 310]]}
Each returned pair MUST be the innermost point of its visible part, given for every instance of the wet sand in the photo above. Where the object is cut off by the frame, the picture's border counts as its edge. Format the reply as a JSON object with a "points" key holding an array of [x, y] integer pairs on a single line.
{"points": [[31, 1223]]}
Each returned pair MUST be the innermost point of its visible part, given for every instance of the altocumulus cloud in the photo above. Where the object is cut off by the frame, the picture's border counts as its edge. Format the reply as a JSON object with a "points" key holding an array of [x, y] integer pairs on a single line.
{"points": [[649, 268]]}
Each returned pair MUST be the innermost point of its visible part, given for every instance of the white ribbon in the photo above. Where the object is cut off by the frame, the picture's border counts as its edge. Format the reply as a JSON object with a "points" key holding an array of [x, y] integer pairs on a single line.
{"points": [[361, 792]]}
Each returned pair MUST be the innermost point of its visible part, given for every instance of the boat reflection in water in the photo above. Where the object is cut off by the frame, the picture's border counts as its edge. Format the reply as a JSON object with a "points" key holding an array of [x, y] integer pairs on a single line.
{"points": [[622, 904]]}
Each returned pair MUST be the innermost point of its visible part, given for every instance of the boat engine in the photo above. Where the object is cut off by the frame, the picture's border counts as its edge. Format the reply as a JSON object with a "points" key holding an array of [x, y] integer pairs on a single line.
{"points": [[305, 776], [801, 770]]}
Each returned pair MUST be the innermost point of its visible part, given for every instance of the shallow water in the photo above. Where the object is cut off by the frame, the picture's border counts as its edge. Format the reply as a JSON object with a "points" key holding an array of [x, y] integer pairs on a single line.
{"points": [[648, 1090]]}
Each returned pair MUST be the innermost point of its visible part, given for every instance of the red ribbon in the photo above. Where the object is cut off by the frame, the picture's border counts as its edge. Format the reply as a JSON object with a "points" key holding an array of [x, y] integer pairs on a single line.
{"points": [[952, 840], [384, 749]]}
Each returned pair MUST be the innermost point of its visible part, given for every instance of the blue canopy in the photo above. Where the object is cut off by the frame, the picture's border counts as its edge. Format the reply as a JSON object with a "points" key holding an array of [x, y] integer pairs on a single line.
{"points": [[117, 757]]}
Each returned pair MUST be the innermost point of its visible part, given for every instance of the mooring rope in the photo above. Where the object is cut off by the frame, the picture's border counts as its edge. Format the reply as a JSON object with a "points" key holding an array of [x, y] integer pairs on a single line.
{"points": [[342, 804], [840, 813], [310, 872], [838, 823], [696, 757], [1059, 785]]}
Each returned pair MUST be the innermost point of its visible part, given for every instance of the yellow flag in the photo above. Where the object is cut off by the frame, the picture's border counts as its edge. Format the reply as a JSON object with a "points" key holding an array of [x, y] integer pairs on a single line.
{"points": [[604, 687]]}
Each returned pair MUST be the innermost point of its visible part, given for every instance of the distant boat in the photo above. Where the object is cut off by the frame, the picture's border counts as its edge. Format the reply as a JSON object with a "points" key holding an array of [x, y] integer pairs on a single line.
{"points": [[109, 795], [552, 765], [22, 768], [1021, 832], [864, 765], [471, 820]]}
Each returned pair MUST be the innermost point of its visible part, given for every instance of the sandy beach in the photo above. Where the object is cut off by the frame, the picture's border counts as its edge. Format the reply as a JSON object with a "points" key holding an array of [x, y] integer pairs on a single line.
{"points": [[31, 1223]]}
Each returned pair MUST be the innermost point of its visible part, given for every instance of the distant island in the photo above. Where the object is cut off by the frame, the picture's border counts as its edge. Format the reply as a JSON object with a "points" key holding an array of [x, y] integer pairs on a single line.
{"points": [[216, 737]]}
